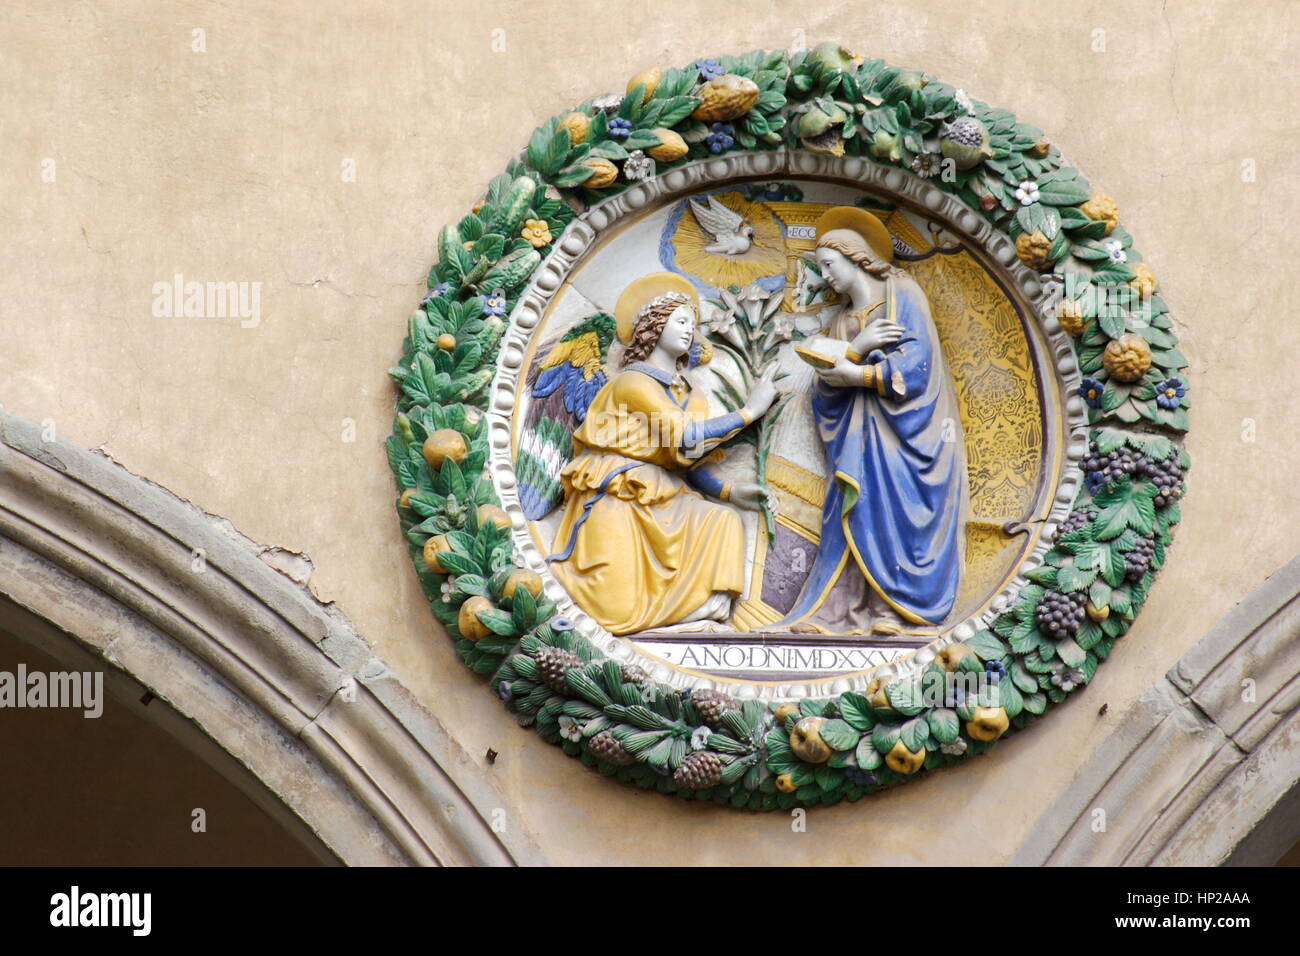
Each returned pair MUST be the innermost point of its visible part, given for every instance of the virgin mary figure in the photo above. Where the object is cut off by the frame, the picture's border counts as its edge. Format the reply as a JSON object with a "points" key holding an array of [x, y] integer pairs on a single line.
{"points": [[890, 553]]}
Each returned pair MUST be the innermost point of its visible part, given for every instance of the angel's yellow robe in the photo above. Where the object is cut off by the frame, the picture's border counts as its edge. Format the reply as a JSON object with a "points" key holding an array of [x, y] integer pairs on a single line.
{"points": [[650, 549]]}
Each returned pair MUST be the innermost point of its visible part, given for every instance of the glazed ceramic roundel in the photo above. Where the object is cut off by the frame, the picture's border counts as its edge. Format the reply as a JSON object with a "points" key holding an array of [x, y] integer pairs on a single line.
{"points": [[787, 426]]}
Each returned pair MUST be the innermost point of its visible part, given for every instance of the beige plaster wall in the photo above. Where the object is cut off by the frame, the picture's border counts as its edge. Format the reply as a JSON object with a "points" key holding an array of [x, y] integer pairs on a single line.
{"points": [[226, 165]]}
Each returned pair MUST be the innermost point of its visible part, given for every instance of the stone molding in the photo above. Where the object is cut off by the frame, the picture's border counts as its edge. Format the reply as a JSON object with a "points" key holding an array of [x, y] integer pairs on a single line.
{"points": [[1200, 772], [274, 689]]}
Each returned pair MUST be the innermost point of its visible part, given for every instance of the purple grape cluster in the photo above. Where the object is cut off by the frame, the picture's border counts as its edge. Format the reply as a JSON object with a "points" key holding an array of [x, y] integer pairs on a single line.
{"points": [[1138, 560], [1076, 519], [1101, 470], [1167, 476], [1060, 615]]}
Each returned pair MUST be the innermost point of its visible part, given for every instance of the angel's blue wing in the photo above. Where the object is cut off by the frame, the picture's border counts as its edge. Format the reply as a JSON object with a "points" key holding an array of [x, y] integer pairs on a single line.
{"points": [[561, 386]]}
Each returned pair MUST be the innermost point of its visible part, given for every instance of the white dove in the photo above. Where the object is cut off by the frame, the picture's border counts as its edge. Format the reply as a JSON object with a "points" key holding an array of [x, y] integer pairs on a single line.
{"points": [[732, 236]]}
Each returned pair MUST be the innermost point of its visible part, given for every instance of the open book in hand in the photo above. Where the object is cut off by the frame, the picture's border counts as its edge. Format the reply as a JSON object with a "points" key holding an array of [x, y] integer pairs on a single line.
{"points": [[819, 351]]}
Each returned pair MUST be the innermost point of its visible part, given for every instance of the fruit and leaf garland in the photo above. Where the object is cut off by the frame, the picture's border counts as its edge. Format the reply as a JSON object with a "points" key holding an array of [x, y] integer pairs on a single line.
{"points": [[704, 744]]}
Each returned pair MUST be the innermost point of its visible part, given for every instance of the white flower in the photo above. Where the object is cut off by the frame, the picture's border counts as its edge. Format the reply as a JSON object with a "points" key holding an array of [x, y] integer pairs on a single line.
{"points": [[1027, 192], [956, 748], [721, 321], [926, 165], [963, 102], [569, 729], [638, 166], [753, 293], [449, 588], [1115, 249], [700, 739], [784, 326]]}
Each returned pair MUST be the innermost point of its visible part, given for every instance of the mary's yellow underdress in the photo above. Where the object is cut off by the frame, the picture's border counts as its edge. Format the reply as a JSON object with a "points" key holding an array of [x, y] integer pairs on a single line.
{"points": [[652, 549]]}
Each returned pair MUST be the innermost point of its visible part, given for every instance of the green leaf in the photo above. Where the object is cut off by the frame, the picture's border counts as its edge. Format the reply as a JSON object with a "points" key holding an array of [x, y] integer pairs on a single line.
{"points": [[1075, 579], [867, 756], [884, 736], [945, 725], [914, 733], [838, 735], [904, 696], [1070, 653], [856, 711], [495, 620]]}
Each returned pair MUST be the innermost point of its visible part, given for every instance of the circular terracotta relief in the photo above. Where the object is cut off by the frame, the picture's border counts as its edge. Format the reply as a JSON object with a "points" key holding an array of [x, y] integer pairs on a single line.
{"points": [[786, 426]]}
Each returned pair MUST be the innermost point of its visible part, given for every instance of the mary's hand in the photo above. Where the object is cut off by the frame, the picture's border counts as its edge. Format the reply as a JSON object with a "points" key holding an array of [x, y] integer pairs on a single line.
{"points": [[844, 374], [877, 335]]}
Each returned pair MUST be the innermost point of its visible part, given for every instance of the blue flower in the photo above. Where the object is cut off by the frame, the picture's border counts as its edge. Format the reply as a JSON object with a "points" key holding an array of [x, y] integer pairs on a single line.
{"points": [[708, 68], [863, 778], [721, 136], [495, 304], [1090, 391], [437, 292], [995, 670], [504, 690], [619, 128], [561, 624], [1169, 392]]}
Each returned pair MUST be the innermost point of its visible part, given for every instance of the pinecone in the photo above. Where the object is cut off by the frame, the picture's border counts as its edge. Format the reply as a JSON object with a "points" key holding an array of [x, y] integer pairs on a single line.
{"points": [[634, 674], [605, 747], [712, 704], [699, 770], [552, 662]]}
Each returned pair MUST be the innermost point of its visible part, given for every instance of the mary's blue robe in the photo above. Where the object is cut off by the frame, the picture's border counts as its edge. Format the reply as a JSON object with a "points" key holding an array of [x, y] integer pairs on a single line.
{"points": [[896, 507]]}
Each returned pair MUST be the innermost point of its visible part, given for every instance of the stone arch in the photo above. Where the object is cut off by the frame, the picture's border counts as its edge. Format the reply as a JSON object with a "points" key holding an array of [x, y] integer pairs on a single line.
{"points": [[106, 571], [1205, 768]]}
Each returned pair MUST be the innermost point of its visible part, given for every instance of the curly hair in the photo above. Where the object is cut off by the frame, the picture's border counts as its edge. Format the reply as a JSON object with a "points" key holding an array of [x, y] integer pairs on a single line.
{"points": [[877, 268], [649, 325]]}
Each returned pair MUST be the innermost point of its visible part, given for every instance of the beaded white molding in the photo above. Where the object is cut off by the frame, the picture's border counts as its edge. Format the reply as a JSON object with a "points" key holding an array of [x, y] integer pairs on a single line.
{"points": [[580, 238]]}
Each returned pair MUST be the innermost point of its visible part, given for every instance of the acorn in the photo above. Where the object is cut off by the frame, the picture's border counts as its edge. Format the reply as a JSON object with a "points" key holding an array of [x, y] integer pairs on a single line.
{"points": [[648, 78], [603, 172], [578, 125], [989, 723], [495, 515], [447, 342], [725, 98], [806, 741], [470, 626], [1127, 358], [1040, 149], [432, 548], [901, 760], [671, 146], [530, 581], [443, 444]]}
